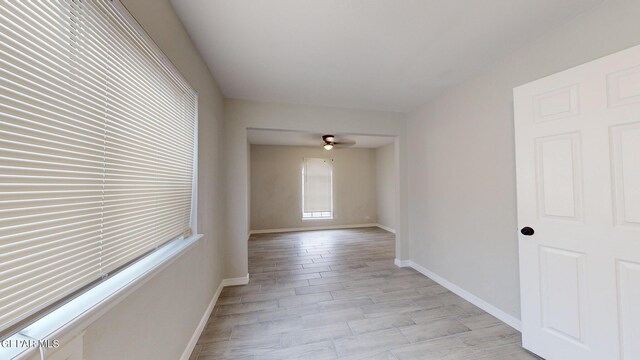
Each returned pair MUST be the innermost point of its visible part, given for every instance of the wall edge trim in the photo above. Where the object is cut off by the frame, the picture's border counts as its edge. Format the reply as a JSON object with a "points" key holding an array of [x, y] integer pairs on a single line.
{"points": [[482, 304], [311, 228], [205, 317], [402, 263], [244, 280], [386, 228]]}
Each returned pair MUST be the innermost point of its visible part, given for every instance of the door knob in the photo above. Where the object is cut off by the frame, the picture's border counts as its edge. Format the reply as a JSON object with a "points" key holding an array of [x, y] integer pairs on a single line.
{"points": [[527, 231]]}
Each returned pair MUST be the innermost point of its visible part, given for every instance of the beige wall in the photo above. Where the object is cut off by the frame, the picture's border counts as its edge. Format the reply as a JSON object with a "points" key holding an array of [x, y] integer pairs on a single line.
{"points": [[386, 185], [462, 167], [241, 115], [158, 319], [276, 186]]}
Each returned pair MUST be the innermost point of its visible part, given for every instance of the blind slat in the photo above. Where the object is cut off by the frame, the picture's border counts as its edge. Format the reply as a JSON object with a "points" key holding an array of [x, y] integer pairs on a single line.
{"points": [[97, 136]]}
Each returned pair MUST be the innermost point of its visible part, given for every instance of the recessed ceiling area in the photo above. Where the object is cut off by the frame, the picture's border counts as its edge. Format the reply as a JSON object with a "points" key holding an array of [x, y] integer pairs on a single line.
{"points": [[295, 138], [392, 55]]}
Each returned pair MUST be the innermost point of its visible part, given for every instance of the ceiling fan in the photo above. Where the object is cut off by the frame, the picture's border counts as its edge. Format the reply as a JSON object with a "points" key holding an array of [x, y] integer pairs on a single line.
{"points": [[330, 142]]}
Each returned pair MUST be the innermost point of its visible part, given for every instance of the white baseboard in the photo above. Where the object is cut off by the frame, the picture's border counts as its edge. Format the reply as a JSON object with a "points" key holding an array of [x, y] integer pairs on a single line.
{"points": [[503, 316], [236, 281], [309, 228], [386, 228], [203, 321], [402, 263]]}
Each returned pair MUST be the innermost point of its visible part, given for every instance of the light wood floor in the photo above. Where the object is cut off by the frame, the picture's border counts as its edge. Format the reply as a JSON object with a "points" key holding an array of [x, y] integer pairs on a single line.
{"points": [[337, 294]]}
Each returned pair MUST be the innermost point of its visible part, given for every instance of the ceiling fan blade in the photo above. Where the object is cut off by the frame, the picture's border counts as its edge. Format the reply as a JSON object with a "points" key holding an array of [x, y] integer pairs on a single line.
{"points": [[345, 143]]}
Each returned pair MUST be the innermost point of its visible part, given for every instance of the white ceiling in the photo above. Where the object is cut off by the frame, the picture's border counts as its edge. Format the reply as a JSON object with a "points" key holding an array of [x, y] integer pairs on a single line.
{"points": [[369, 54], [295, 138]]}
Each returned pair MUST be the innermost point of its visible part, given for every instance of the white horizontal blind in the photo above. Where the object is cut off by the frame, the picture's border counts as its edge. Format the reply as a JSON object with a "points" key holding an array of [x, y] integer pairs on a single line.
{"points": [[96, 149], [317, 185], [149, 154], [51, 155]]}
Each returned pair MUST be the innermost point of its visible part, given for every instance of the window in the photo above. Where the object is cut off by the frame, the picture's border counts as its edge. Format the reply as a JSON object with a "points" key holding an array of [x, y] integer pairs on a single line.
{"points": [[317, 189], [97, 150]]}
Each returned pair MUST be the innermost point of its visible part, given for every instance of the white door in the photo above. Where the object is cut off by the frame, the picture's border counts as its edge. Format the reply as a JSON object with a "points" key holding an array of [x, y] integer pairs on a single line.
{"points": [[578, 176]]}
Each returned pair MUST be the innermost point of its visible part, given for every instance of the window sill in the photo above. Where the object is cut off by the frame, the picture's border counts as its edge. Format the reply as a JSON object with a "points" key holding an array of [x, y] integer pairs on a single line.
{"points": [[317, 218], [72, 318]]}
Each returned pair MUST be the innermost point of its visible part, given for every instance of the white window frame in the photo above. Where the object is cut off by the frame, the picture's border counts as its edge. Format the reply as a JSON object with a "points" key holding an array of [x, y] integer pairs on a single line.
{"points": [[71, 319], [318, 215]]}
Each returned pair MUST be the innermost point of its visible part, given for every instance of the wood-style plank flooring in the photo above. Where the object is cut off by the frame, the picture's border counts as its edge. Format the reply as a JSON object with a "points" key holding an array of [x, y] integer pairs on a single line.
{"points": [[337, 295]]}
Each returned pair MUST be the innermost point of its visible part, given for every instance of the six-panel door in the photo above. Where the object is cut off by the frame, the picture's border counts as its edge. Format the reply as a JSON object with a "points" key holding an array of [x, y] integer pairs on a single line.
{"points": [[578, 176]]}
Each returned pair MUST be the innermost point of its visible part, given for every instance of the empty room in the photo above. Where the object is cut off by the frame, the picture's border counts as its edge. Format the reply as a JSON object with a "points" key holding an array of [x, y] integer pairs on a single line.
{"points": [[319, 179]]}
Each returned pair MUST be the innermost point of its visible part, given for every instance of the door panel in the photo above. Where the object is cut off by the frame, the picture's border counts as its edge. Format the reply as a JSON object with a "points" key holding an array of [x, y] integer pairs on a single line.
{"points": [[578, 182], [625, 140], [624, 87], [559, 176], [562, 285], [629, 309], [556, 104]]}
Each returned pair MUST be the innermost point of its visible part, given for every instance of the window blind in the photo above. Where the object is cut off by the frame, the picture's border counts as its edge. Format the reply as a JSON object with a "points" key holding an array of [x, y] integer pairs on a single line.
{"points": [[97, 136], [317, 185]]}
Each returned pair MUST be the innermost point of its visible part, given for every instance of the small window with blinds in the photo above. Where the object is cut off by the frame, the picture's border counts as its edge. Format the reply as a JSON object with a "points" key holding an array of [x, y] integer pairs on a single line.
{"points": [[97, 150], [317, 189]]}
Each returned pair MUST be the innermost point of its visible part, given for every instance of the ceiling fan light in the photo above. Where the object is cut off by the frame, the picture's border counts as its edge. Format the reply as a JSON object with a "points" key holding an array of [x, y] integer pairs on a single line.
{"points": [[328, 146]]}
